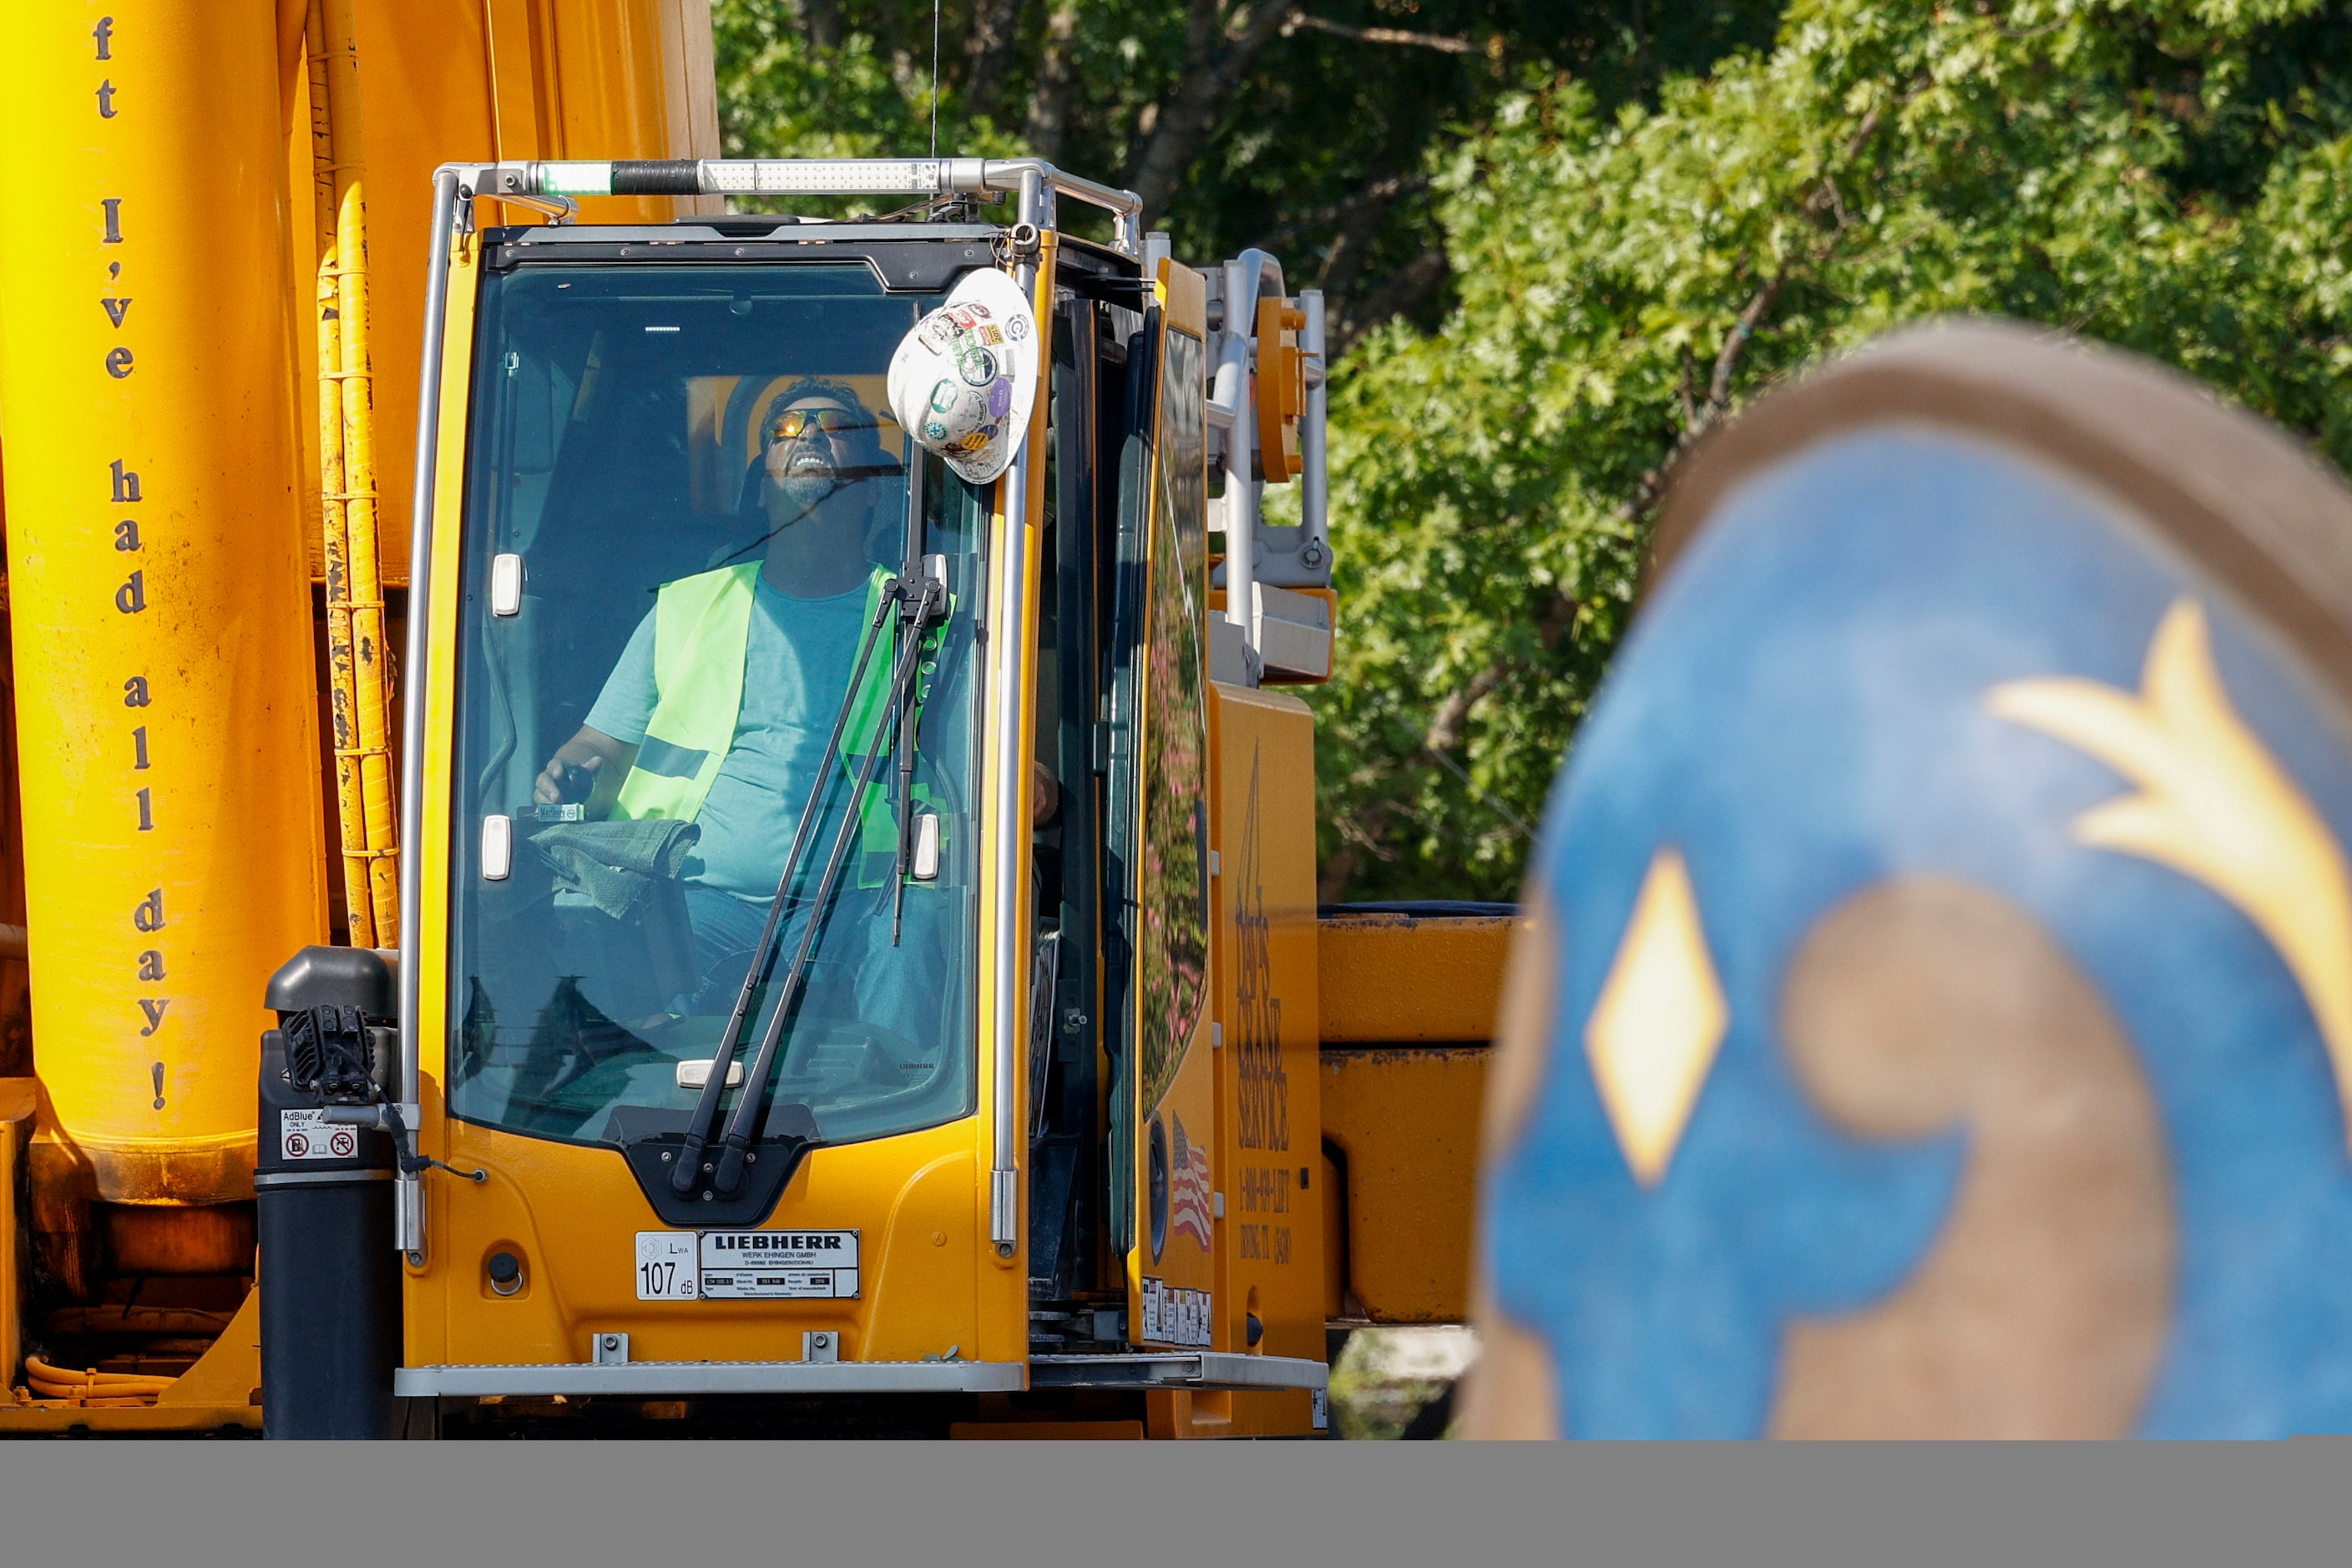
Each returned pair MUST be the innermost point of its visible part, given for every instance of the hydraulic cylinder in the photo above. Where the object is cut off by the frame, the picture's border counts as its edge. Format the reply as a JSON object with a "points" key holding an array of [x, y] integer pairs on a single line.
{"points": [[162, 615]]}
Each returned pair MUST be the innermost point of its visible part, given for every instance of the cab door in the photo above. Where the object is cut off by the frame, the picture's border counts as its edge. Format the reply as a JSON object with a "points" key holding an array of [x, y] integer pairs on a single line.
{"points": [[1163, 1101]]}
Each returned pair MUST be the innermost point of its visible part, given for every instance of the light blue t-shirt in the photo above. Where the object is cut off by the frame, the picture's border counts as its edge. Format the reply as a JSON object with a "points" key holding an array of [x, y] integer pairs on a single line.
{"points": [[796, 665]]}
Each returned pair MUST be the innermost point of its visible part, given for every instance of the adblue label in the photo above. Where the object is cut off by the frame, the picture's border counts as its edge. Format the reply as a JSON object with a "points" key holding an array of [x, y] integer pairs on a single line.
{"points": [[306, 1136]]}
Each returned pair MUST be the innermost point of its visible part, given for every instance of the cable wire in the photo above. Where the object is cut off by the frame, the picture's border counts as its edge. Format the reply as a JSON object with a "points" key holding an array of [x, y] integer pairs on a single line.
{"points": [[49, 1381]]}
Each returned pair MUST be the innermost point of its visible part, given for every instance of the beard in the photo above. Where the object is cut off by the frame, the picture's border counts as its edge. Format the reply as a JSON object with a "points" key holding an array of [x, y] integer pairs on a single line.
{"points": [[807, 480], [805, 490]]}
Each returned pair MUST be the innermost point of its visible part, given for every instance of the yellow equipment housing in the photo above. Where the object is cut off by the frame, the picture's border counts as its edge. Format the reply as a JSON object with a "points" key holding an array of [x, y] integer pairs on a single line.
{"points": [[991, 1260], [159, 413], [1182, 1128]]}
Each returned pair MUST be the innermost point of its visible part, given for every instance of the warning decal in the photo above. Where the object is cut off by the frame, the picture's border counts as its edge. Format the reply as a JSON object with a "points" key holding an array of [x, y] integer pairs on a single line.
{"points": [[666, 1266], [305, 1135], [1173, 1315]]}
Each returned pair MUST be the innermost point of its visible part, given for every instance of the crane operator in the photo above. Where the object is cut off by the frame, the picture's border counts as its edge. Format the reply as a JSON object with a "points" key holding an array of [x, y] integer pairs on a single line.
{"points": [[719, 708], [718, 711]]}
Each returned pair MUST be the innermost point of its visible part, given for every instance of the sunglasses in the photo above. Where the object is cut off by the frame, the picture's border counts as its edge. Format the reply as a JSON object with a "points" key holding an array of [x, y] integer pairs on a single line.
{"points": [[793, 424]]}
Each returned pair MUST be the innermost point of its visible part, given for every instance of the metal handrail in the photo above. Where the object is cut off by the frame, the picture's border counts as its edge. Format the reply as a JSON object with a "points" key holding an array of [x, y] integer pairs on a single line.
{"points": [[408, 1190], [1010, 636], [1249, 277]]}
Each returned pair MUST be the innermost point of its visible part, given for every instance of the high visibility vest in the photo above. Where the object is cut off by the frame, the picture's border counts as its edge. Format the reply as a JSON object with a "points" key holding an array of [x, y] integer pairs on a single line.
{"points": [[702, 630]]}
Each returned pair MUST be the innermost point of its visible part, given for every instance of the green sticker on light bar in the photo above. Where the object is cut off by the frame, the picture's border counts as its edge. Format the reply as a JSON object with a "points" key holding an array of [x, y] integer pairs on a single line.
{"points": [[575, 179]]}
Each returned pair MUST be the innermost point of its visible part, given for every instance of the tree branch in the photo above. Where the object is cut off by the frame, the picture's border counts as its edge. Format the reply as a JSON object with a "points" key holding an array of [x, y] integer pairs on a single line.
{"points": [[1049, 99], [1411, 284], [1181, 124], [987, 49], [1727, 359], [1363, 833], [1379, 193], [1300, 21], [820, 22], [1446, 725], [1652, 486], [1343, 260]]}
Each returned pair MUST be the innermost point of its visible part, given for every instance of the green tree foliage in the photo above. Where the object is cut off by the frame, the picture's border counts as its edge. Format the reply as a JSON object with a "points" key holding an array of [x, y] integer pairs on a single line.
{"points": [[2174, 177], [1305, 126]]}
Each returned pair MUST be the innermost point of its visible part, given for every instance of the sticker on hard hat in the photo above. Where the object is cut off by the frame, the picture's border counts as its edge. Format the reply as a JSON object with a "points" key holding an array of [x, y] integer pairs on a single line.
{"points": [[965, 379], [306, 1136], [747, 1265]]}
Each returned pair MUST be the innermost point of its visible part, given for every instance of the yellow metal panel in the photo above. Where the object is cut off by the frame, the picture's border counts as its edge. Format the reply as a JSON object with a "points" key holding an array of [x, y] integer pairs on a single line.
{"points": [[218, 1391], [1394, 977], [29, 1420], [1270, 1241], [226, 1382], [629, 79], [922, 1300], [1183, 1261], [1184, 298], [513, 29], [172, 833], [572, 1214], [455, 80], [424, 1328], [425, 68], [422, 1322], [1406, 1121]]}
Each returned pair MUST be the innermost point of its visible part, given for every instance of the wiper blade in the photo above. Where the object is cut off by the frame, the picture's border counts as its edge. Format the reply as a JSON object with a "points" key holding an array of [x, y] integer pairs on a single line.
{"points": [[910, 720], [923, 601], [705, 1108]]}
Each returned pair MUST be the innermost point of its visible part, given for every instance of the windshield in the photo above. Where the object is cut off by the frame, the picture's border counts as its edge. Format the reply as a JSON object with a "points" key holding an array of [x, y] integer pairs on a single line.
{"points": [[693, 475]]}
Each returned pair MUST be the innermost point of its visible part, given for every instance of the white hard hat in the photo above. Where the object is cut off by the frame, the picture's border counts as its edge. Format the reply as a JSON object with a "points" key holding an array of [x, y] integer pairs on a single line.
{"points": [[963, 381]]}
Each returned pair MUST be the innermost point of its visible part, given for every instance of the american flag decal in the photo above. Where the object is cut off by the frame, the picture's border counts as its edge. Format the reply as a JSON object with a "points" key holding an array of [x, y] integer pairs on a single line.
{"points": [[1188, 1187]]}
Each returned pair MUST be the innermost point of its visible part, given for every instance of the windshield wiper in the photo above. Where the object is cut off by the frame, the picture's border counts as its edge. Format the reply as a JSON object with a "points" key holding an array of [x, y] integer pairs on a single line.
{"points": [[918, 605], [705, 1108], [935, 568]]}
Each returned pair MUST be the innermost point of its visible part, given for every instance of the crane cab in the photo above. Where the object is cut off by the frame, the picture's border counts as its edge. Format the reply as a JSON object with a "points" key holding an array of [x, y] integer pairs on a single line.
{"points": [[861, 967]]}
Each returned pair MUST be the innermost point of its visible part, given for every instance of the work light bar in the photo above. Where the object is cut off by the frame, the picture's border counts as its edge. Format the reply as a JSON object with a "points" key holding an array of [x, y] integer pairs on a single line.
{"points": [[807, 177]]}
